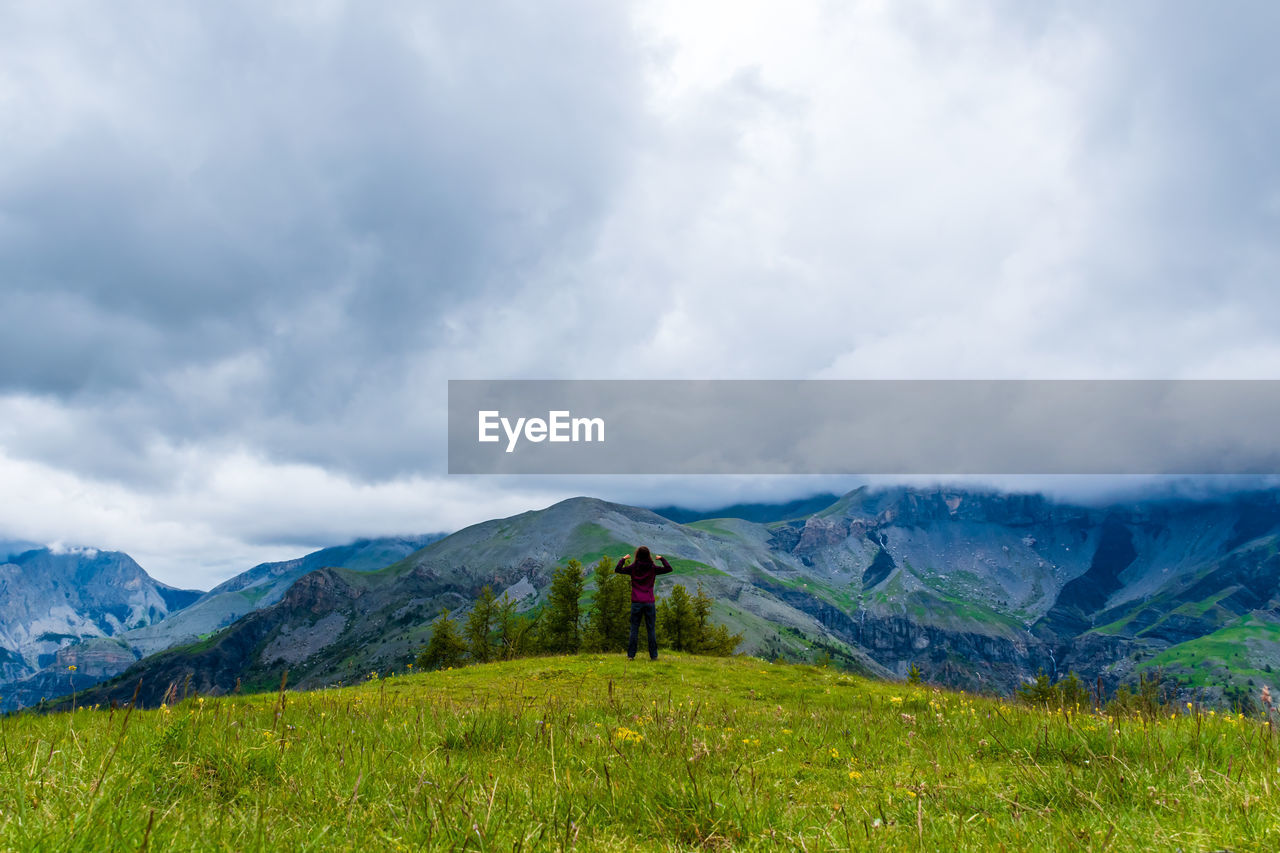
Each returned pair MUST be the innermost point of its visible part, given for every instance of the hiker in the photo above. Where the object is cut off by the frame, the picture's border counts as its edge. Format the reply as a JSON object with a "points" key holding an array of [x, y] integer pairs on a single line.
{"points": [[643, 571]]}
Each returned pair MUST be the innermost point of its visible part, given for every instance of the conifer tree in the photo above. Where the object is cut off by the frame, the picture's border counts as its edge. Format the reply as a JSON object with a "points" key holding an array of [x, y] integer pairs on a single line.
{"points": [[677, 623], [515, 630], [608, 619], [718, 641], [479, 627], [561, 631], [684, 624], [701, 606], [445, 648], [712, 639]]}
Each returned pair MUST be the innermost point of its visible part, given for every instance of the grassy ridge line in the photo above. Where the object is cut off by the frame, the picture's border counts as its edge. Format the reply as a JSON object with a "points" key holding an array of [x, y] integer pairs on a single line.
{"points": [[595, 753]]}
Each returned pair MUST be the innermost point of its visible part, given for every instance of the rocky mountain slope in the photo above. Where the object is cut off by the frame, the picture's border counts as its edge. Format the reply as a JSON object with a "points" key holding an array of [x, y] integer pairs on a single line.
{"points": [[51, 599], [100, 656], [977, 590]]}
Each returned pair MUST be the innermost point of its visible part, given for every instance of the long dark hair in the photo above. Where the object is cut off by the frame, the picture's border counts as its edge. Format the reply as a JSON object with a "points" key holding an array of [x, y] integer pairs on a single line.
{"points": [[643, 555]]}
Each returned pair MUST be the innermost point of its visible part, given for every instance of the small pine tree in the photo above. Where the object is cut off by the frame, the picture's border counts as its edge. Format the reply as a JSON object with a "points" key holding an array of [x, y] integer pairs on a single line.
{"points": [[718, 641], [608, 619], [444, 648], [677, 623], [710, 639], [479, 627], [913, 675], [701, 606], [1038, 692], [515, 630], [561, 618], [1067, 693], [1146, 701], [1072, 692]]}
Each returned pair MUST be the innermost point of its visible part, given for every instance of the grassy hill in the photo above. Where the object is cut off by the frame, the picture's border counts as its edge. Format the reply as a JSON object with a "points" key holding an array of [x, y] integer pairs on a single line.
{"points": [[596, 753]]}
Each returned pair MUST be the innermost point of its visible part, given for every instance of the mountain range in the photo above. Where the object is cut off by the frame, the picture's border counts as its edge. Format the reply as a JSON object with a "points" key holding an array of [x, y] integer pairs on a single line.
{"points": [[977, 590], [82, 608]]}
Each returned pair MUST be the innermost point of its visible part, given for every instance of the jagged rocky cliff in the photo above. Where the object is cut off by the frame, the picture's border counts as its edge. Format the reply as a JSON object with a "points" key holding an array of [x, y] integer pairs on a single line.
{"points": [[113, 644], [51, 599]]}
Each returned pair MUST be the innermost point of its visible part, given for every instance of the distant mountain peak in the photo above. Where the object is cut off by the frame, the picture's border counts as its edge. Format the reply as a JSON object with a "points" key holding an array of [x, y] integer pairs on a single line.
{"points": [[53, 597]]}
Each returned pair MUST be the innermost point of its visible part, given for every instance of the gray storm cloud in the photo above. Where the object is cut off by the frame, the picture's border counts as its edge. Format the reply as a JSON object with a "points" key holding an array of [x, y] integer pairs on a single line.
{"points": [[281, 206]]}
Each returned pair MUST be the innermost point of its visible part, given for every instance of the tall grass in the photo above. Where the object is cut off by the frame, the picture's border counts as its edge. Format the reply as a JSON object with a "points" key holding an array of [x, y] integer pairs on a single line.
{"points": [[594, 753]]}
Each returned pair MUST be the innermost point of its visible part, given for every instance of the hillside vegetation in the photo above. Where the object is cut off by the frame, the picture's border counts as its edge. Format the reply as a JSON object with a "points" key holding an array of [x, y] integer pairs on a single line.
{"points": [[594, 753]]}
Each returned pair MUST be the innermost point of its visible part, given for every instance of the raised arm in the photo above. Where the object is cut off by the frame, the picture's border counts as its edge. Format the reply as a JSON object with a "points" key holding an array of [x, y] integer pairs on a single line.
{"points": [[666, 567], [622, 568]]}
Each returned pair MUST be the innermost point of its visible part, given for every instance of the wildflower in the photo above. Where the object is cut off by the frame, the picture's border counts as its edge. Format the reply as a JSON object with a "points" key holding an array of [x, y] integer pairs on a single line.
{"points": [[854, 774], [72, 668], [897, 700], [835, 753], [786, 731]]}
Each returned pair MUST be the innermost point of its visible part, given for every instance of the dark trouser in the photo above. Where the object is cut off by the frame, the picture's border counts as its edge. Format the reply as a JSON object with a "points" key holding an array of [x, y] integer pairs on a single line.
{"points": [[649, 611]]}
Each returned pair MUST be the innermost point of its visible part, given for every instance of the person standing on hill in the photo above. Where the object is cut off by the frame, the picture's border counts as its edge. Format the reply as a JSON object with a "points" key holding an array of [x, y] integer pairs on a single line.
{"points": [[643, 605]]}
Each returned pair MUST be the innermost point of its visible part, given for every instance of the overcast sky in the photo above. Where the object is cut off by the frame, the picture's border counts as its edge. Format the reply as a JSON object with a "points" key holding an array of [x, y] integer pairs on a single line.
{"points": [[243, 246]]}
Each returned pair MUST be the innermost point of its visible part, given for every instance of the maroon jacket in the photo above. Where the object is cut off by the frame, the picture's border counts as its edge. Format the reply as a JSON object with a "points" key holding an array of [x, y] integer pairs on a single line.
{"points": [[642, 575]]}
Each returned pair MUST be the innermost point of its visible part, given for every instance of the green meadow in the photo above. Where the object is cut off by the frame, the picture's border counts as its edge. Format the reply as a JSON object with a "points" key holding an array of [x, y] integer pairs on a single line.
{"points": [[594, 753]]}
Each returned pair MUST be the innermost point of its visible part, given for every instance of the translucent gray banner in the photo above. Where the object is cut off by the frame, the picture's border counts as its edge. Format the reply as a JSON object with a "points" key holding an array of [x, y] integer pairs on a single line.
{"points": [[941, 427]]}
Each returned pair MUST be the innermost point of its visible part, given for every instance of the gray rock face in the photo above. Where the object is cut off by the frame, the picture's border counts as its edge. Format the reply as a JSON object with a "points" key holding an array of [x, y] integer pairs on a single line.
{"points": [[51, 600], [983, 590], [110, 645]]}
